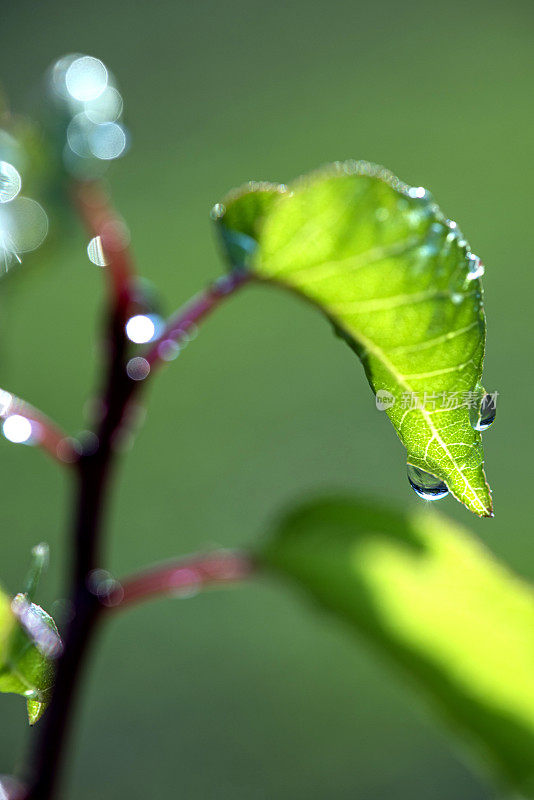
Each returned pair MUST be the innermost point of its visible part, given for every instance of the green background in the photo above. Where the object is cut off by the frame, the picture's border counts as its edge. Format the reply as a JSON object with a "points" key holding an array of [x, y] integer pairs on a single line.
{"points": [[248, 693]]}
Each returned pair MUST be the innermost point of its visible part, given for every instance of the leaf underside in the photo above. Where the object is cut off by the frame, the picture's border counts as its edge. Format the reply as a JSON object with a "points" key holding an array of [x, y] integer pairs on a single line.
{"points": [[395, 278], [438, 604]]}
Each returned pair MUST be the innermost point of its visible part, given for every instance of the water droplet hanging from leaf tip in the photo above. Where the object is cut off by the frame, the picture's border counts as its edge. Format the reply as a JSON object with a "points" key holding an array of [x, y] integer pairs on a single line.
{"points": [[426, 485]]}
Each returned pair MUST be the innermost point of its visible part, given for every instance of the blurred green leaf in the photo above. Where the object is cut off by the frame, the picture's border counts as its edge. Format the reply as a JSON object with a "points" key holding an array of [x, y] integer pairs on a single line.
{"points": [[29, 644], [399, 283], [437, 603]]}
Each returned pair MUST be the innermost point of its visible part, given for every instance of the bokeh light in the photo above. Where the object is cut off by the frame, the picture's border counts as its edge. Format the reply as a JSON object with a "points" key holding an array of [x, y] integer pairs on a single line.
{"points": [[107, 140], [142, 328], [10, 182], [6, 400], [92, 107], [29, 223], [137, 368], [105, 108], [23, 227], [18, 429], [23, 222], [86, 78]]}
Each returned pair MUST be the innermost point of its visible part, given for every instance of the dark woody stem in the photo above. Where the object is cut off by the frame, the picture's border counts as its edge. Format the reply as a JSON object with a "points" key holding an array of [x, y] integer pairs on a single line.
{"points": [[94, 468]]}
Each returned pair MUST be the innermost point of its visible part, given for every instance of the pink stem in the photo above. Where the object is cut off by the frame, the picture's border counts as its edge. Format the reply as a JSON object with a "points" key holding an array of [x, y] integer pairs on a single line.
{"points": [[195, 572], [101, 220], [193, 313], [45, 433]]}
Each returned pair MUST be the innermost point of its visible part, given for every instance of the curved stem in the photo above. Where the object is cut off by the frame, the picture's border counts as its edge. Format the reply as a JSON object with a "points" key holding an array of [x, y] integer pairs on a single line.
{"points": [[94, 206], [44, 432], [193, 313], [192, 573], [94, 469]]}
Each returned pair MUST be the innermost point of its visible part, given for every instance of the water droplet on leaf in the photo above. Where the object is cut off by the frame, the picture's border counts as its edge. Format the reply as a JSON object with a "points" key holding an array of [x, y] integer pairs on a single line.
{"points": [[418, 192], [483, 416], [476, 267], [217, 211], [425, 485]]}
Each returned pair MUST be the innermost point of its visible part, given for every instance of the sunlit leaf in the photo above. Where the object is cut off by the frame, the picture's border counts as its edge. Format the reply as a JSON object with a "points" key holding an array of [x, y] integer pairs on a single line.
{"points": [[29, 645], [437, 603], [399, 283]]}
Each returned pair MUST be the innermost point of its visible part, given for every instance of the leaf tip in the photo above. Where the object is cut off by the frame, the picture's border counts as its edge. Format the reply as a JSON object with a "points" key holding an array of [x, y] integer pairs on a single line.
{"points": [[36, 709]]}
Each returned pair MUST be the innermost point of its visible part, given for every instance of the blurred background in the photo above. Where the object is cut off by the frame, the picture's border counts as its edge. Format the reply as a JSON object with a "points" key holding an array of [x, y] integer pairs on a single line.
{"points": [[250, 693]]}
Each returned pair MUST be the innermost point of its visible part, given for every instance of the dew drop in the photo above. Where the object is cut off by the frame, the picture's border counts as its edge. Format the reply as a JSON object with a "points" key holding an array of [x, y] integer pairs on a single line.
{"points": [[78, 131], [6, 400], [425, 485], [137, 368], [168, 350], [68, 450], [95, 251], [105, 108], [417, 192], [105, 587], [107, 141], [10, 182], [23, 227], [484, 416], [476, 267], [86, 78], [186, 583], [19, 429], [218, 211], [88, 442], [143, 328]]}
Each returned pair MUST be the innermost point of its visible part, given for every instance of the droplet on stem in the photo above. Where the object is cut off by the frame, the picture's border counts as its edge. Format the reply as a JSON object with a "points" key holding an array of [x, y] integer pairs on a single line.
{"points": [[137, 368], [143, 328], [19, 429], [95, 251]]}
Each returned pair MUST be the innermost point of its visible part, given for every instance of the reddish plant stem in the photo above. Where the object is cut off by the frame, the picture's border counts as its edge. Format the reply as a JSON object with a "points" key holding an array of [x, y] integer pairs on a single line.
{"points": [[193, 573], [93, 473], [94, 468], [47, 434], [100, 219], [193, 313]]}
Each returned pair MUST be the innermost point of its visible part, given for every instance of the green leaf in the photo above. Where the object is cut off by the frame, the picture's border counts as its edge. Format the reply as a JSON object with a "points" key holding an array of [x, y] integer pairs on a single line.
{"points": [[29, 645], [399, 283], [437, 603], [7, 624]]}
